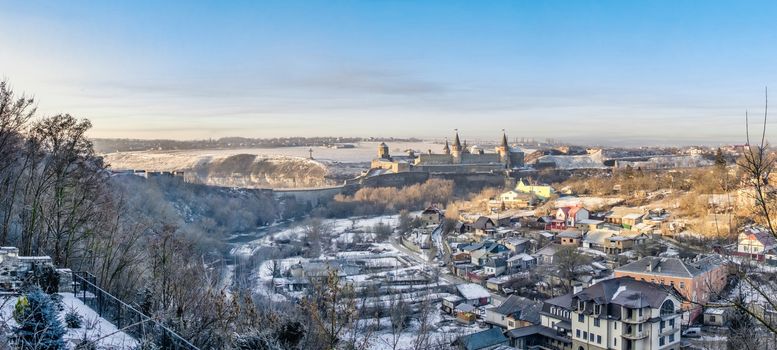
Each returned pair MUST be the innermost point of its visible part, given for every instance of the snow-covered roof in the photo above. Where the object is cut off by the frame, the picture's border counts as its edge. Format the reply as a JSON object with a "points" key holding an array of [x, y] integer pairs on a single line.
{"points": [[632, 216], [522, 256], [715, 311], [471, 291]]}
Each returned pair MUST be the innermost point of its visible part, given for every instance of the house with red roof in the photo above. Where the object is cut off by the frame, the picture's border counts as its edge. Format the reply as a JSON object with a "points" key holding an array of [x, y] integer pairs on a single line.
{"points": [[569, 216], [756, 242]]}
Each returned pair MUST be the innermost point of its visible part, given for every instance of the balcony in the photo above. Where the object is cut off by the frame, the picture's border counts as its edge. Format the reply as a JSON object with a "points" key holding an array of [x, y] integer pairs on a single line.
{"points": [[633, 333], [632, 316], [669, 330]]}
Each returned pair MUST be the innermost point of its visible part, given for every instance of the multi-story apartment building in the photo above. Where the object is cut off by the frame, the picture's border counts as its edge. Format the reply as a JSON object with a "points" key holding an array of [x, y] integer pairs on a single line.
{"points": [[697, 280], [626, 314]]}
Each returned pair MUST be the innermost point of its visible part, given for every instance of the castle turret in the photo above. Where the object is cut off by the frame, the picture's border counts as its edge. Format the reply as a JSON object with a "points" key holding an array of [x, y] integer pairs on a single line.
{"points": [[383, 151], [446, 149], [456, 149], [504, 150]]}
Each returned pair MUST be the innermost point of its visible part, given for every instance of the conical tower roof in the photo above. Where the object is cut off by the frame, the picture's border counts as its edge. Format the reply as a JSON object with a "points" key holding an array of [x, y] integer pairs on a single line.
{"points": [[504, 140], [456, 141]]}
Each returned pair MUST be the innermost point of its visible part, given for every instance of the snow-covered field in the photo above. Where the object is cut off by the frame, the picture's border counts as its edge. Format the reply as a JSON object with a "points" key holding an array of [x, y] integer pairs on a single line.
{"points": [[94, 327], [343, 229], [173, 160]]}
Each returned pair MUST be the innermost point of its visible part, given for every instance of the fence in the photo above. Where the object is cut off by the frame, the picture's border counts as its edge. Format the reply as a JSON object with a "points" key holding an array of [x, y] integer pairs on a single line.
{"points": [[124, 316]]}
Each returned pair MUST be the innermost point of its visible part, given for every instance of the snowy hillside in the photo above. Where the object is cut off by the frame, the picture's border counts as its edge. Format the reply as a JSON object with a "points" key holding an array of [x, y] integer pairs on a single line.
{"points": [[94, 328]]}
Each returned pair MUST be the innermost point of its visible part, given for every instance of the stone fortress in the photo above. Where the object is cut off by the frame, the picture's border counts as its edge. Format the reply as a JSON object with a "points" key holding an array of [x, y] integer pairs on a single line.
{"points": [[455, 158]]}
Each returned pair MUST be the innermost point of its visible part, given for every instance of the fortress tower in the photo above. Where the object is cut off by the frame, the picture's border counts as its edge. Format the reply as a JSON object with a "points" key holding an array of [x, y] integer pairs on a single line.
{"points": [[504, 150], [383, 151], [456, 149]]}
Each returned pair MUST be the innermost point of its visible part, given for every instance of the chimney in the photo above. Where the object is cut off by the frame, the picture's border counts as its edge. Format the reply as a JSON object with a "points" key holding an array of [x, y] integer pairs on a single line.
{"points": [[652, 265]]}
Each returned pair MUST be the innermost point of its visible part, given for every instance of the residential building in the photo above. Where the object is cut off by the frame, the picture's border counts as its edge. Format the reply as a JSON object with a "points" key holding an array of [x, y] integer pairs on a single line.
{"points": [[513, 200], [516, 244], [474, 294], [624, 241], [624, 313], [538, 337], [556, 313], [631, 220], [571, 237], [521, 262], [484, 226], [598, 239], [756, 242], [616, 214], [431, 216], [697, 281], [541, 191], [545, 256], [589, 224], [514, 312], [495, 266], [485, 340], [715, 317], [570, 216]]}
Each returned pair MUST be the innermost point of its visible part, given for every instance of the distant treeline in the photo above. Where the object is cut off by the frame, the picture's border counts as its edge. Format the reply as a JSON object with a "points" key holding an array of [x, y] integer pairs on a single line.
{"points": [[125, 145]]}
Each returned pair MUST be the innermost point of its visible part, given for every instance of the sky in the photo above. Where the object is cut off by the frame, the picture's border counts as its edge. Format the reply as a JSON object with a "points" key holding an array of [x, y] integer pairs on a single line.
{"points": [[596, 72]]}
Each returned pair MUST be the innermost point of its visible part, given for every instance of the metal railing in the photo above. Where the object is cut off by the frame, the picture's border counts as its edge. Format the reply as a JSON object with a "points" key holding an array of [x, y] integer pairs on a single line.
{"points": [[125, 317]]}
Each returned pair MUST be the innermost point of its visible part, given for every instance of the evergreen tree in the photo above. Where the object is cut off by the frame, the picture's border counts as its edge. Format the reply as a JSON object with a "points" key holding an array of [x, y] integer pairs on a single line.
{"points": [[720, 160], [39, 326]]}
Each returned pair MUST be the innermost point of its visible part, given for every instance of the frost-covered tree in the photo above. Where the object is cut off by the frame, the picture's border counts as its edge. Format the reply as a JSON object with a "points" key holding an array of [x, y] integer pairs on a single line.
{"points": [[39, 326]]}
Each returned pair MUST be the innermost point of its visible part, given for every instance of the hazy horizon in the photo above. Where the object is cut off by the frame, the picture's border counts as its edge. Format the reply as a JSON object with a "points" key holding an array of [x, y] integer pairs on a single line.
{"points": [[604, 72]]}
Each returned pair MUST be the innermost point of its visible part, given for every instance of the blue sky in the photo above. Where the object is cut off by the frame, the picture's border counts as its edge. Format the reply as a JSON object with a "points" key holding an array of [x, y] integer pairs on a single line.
{"points": [[603, 72]]}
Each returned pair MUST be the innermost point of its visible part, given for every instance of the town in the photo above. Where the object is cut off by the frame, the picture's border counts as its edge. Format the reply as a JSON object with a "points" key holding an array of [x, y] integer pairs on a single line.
{"points": [[539, 266]]}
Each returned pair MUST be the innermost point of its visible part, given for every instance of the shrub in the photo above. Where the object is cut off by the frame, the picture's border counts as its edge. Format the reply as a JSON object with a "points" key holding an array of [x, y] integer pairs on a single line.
{"points": [[73, 319], [40, 328]]}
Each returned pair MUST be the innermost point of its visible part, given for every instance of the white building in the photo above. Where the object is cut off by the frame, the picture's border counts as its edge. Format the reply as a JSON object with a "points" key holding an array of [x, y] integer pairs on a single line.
{"points": [[755, 241], [626, 314]]}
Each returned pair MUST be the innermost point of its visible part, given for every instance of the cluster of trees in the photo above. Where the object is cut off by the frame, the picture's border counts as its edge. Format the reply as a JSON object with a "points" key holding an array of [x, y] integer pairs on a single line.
{"points": [[154, 243], [383, 200]]}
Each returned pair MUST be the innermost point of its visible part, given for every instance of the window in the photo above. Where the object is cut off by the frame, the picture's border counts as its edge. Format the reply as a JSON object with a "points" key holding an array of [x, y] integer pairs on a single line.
{"points": [[639, 327], [598, 339], [682, 285], [580, 318], [615, 325], [671, 338], [596, 322], [615, 341], [661, 341], [671, 323], [592, 337], [667, 308], [712, 318], [661, 325], [585, 335], [597, 309], [577, 333], [640, 312]]}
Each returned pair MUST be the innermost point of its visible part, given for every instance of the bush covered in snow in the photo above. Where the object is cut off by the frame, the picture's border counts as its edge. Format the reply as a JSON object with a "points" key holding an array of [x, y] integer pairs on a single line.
{"points": [[39, 325], [73, 319]]}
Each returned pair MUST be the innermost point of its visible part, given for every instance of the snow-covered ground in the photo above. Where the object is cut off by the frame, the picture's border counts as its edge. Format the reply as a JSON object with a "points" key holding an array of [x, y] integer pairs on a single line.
{"points": [[176, 160], [342, 229], [441, 330], [592, 203], [94, 327]]}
